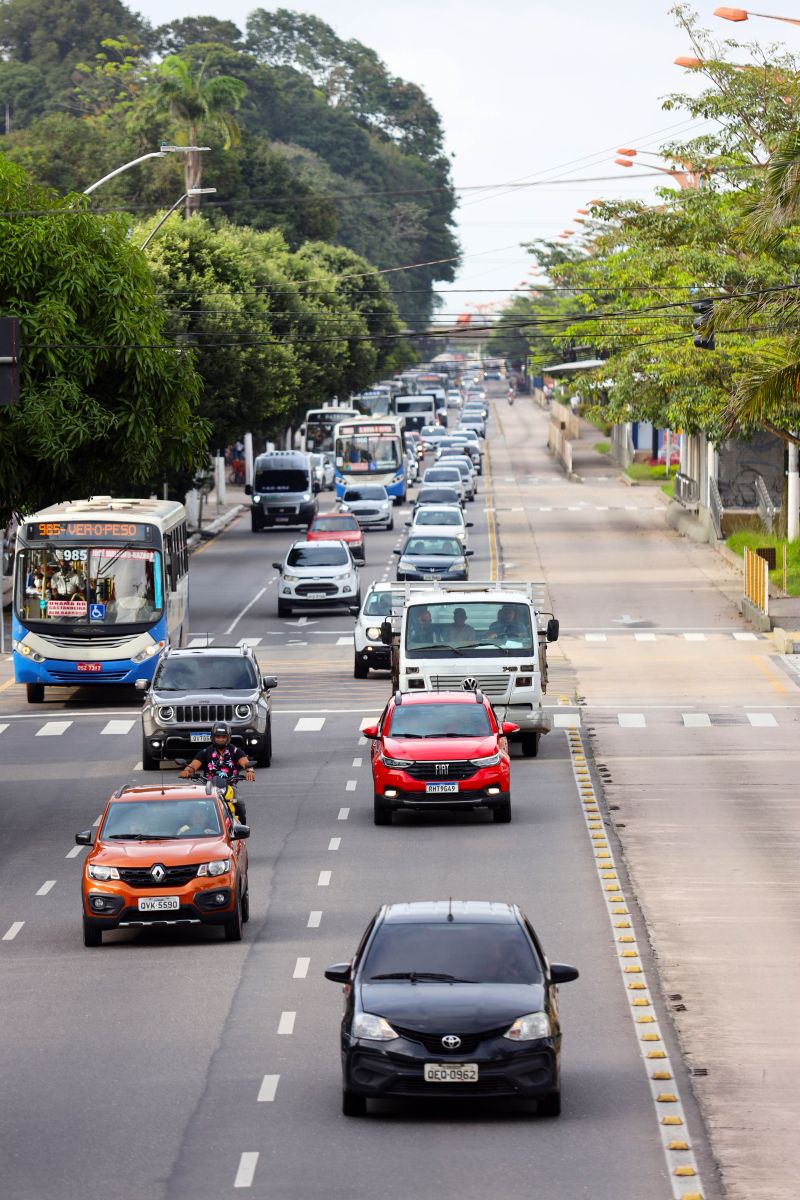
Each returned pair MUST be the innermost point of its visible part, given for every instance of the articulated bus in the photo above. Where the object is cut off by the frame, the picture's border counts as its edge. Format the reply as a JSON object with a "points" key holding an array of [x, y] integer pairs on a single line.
{"points": [[371, 451], [100, 588], [317, 429]]}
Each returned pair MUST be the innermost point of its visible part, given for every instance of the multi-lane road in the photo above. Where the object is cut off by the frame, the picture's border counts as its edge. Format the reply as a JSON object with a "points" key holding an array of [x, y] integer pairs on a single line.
{"points": [[171, 1064]]}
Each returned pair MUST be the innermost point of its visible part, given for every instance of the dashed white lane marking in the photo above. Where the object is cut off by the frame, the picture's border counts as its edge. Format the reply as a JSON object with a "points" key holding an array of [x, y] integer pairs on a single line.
{"points": [[745, 637], [696, 720], [139, 766], [12, 931], [763, 719], [344, 813], [351, 785], [365, 721], [631, 720], [53, 728], [269, 1086], [97, 821], [301, 968], [314, 918], [566, 720], [362, 741], [596, 637], [645, 637], [74, 852], [118, 727], [246, 1170], [345, 641], [324, 879], [695, 637], [681, 1163], [309, 724], [3, 728], [46, 887], [286, 1023], [197, 642], [334, 843], [357, 762], [601, 508], [252, 642]]}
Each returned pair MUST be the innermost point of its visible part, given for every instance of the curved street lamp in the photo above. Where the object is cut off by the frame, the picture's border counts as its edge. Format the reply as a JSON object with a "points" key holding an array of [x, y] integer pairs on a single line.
{"points": [[165, 149], [170, 211], [743, 14]]}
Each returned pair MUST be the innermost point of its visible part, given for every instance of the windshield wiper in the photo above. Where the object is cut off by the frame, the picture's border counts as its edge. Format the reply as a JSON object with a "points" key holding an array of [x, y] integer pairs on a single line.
{"points": [[425, 976], [142, 837], [451, 735], [436, 646]]}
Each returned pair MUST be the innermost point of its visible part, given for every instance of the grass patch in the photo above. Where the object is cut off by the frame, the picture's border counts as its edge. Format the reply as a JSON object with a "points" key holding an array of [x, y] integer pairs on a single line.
{"points": [[669, 489], [593, 417], [646, 472], [602, 447], [754, 541]]}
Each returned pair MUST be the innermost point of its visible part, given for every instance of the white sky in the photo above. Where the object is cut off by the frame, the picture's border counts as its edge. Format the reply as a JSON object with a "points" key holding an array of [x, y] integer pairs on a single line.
{"points": [[525, 88]]}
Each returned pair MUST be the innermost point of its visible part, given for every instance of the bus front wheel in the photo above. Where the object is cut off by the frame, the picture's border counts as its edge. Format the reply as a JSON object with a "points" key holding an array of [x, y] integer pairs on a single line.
{"points": [[35, 693]]}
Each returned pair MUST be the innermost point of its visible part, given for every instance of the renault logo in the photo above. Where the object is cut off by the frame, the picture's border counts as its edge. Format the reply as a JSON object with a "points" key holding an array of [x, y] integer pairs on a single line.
{"points": [[158, 873], [451, 1041], [469, 685]]}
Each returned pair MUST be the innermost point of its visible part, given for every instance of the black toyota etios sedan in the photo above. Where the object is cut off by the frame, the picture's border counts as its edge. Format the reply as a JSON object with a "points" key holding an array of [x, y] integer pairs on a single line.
{"points": [[450, 998]]}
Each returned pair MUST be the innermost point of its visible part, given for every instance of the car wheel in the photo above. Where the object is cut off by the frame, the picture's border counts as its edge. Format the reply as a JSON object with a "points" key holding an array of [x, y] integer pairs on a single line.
{"points": [[35, 692], [255, 524], [530, 744], [92, 936], [382, 814], [264, 755], [360, 669], [233, 926], [501, 815], [390, 526], [149, 761], [284, 610], [549, 1105], [246, 902], [353, 1105]]}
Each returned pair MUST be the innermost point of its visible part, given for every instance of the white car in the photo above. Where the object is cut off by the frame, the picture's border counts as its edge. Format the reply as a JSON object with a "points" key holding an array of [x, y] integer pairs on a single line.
{"points": [[431, 434], [440, 520], [475, 422], [369, 503], [440, 476], [323, 471], [370, 652], [453, 398], [469, 475], [318, 575]]}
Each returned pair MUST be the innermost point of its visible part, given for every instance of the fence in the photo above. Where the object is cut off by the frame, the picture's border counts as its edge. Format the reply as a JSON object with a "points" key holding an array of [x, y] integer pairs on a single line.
{"points": [[686, 490], [756, 580]]}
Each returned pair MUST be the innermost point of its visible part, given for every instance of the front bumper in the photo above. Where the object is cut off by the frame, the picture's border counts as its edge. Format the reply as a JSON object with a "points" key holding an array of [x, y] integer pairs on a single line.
{"points": [[442, 576], [64, 673], [206, 905], [378, 657], [487, 787]]}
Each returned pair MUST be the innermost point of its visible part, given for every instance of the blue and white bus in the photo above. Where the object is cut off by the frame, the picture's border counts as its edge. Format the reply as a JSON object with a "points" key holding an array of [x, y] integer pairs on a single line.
{"points": [[100, 588], [371, 450]]}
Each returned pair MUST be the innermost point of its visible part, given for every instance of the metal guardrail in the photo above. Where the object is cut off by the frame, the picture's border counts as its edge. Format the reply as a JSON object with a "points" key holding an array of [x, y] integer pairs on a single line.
{"points": [[686, 490], [715, 505], [756, 580], [767, 510]]}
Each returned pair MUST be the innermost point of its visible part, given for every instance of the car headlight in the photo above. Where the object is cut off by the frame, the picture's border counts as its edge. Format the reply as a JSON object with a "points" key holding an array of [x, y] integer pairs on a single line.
{"points": [[218, 867], [166, 712], [529, 1028], [374, 633], [242, 711], [491, 760], [95, 871], [306, 495], [375, 1029], [148, 652], [399, 764], [291, 579], [460, 566], [28, 652]]}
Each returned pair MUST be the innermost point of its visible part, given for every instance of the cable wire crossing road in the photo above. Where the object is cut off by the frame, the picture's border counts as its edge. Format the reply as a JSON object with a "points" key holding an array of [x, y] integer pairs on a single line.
{"points": [[196, 1067]]}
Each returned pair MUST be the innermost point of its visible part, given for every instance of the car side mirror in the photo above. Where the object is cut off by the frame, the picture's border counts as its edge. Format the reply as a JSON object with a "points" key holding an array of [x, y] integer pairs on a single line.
{"points": [[468, 553], [369, 731], [354, 610], [470, 524], [84, 839], [552, 629], [562, 973], [509, 727], [406, 523], [142, 685], [339, 973], [248, 489], [387, 633], [396, 551], [240, 833], [278, 566], [270, 682]]}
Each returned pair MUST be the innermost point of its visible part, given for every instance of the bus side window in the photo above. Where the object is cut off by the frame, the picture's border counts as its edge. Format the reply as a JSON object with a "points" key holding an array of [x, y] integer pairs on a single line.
{"points": [[170, 561]]}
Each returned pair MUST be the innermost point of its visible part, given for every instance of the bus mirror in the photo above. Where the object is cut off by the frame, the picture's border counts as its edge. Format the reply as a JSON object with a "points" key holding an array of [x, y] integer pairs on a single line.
{"points": [[248, 489], [552, 630]]}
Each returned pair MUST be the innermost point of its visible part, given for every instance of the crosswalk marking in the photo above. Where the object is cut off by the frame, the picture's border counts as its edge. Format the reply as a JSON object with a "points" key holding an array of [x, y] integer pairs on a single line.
{"points": [[309, 724], [595, 637], [745, 637], [197, 642], [53, 728], [118, 727], [696, 720], [645, 637], [345, 641], [695, 637], [631, 720], [566, 720], [764, 720], [252, 642]]}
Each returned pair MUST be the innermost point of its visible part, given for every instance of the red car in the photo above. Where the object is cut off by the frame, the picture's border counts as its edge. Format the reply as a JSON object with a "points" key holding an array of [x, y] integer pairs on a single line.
{"points": [[339, 527], [440, 750]]}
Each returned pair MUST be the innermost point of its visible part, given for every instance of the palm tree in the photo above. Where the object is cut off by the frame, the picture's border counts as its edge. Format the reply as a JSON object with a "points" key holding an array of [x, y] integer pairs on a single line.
{"points": [[199, 106]]}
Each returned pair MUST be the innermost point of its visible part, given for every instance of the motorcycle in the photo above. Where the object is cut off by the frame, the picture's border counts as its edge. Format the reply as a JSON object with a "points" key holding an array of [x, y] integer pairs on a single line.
{"points": [[226, 789]]}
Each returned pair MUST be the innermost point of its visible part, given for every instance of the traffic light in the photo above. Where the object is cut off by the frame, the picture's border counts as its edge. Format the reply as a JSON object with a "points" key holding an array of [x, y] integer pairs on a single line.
{"points": [[705, 311]]}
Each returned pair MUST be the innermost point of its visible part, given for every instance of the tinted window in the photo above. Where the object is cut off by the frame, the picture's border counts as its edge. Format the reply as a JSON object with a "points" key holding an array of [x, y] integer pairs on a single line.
{"points": [[333, 524], [162, 819], [441, 474], [317, 556], [445, 495], [280, 480], [439, 720], [433, 545], [205, 672], [364, 493], [473, 952], [438, 516]]}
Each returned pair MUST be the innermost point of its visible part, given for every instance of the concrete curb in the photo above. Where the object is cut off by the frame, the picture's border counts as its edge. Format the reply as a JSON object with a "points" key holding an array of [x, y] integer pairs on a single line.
{"points": [[216, 526]]}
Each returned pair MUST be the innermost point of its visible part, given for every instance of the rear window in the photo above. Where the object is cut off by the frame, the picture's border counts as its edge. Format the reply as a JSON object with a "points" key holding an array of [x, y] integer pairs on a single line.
{"points": [[470, 952], [439, 720], [334, 524], [318, 555]]}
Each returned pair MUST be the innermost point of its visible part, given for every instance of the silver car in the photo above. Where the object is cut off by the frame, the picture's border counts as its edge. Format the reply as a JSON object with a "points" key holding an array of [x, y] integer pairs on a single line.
{"points": [[370, 504]]}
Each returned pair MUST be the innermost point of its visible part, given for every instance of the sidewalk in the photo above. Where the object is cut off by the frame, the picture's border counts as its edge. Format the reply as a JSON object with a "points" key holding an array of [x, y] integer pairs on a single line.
{"points": [[217, 517]]}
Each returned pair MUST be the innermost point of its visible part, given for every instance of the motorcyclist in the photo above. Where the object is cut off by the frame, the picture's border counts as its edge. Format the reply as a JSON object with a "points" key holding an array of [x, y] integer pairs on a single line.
{"points": [[220, 757]]}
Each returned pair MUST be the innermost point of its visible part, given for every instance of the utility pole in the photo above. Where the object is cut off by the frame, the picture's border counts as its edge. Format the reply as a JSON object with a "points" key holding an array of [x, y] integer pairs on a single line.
{"points": [[792, 494]]}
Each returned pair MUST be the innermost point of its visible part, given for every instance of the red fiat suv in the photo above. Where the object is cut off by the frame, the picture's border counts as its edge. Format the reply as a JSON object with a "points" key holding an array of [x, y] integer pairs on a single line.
{"points": [[440, 750]]}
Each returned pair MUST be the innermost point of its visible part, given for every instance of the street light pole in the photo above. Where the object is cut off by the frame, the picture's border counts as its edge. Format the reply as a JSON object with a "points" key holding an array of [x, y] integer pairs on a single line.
{"points": [[170, 211], [165, 149]]}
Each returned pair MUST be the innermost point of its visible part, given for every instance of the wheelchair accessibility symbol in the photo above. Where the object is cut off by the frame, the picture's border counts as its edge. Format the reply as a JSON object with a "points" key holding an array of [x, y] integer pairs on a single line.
{"points": [[97, 612]]}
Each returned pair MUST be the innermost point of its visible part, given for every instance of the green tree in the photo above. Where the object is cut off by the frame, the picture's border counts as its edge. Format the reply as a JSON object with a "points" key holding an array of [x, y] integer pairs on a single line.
{"points": [[106, 400], [176, 36]]}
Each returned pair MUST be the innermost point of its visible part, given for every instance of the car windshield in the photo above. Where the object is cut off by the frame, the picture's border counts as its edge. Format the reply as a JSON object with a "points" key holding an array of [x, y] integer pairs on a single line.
{"points": [[353, 495], [444, 494], [482, 628], [441, 474], [413, 406], [444, 546], [468, 952], [439, 516], [439, 720], [432, 431], [143, 820], [278, 480], [333, 524], [378, 604], [205, 672], [318, 555]]}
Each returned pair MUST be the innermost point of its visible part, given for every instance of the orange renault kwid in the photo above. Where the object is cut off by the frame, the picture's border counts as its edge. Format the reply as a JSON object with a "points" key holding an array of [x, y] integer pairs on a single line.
{"points": [[165, 856]]}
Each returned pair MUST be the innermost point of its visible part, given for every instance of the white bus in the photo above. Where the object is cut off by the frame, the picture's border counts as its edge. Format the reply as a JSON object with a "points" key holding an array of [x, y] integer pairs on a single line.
{"points": [[100, 588], [371, 451], [316, 432]]}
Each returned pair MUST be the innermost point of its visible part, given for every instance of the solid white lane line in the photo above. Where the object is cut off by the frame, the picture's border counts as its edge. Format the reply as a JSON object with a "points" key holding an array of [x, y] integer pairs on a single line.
{"points": [[645, 637], [344, 813], [334, 843], [345, 641], [246, 609], [357, 762], [696, 720], [246, 1169], [46, 887], [309, 724], [301, 968], [269, 1086], [763, 719], [695, 637], [252, 642], [314, 918], [53, 728], [118, 727], [566, 720], [324, 879], [197, 642], [631, 720], [74, 852], [745, 637], [286, 1023], [12, 931], [351, 785]]}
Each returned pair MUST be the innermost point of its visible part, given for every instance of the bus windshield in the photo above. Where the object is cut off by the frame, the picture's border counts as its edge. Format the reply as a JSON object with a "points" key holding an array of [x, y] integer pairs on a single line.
{"points": [[281, 480], [320, 424], [361, 452], [89, 585]]}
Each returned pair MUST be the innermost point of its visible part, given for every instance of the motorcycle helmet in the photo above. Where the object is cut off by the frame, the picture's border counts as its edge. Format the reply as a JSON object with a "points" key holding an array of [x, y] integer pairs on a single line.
{"points": [[218, 733]]}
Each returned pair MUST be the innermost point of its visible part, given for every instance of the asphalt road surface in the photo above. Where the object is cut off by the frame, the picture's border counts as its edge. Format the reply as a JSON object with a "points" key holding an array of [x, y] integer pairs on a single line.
{"points": [[171, 1064]]}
